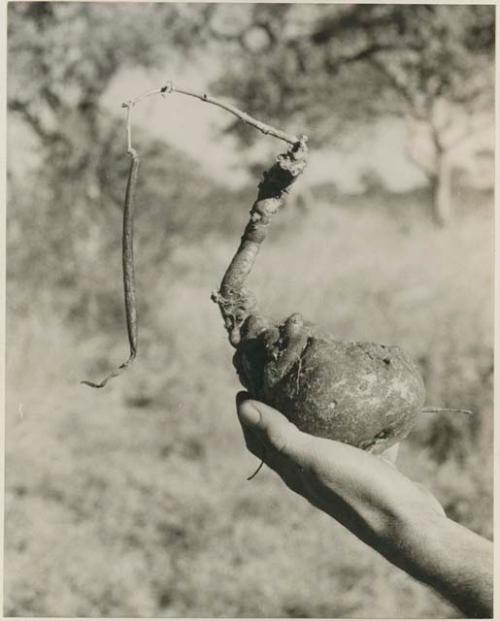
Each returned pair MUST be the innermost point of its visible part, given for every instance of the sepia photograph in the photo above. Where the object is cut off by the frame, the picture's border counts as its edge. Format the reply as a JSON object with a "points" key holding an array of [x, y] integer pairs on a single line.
{"points": [[249, 310]]}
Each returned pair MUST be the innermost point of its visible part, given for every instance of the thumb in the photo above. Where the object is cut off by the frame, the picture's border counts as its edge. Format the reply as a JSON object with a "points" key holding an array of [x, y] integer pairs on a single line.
{"points": [[271, 428]]}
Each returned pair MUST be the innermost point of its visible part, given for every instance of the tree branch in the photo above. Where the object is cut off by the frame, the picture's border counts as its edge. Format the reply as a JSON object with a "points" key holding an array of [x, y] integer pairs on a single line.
{"points": [[397, 84], [364, 54], [17, 105]]}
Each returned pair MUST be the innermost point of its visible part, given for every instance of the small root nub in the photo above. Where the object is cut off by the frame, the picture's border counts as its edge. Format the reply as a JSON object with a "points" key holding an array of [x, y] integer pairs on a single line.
{"points": [[116, 373], [252, 476], [431, 410]]}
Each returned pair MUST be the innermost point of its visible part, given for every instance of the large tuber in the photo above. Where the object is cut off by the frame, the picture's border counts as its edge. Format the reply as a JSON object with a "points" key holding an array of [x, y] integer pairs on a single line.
{"points": [[364, 394]]}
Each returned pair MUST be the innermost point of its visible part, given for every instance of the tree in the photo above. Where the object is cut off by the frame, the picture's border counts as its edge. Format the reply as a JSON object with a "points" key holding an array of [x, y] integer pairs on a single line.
{"points": [[61, 59], [328, 67]]}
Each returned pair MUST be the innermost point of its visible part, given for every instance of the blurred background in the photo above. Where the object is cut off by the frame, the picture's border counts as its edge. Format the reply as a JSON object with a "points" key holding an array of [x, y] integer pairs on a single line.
{"points": [[132, 501]]}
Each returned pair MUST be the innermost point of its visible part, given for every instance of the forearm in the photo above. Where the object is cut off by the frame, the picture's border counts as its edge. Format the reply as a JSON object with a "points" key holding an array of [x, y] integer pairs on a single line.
{"points": [[452, 560], [379, 505]]}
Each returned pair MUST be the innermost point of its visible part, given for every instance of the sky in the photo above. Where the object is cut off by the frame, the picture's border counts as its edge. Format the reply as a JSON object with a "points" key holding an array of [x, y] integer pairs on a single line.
{"points": [[194, 127]]}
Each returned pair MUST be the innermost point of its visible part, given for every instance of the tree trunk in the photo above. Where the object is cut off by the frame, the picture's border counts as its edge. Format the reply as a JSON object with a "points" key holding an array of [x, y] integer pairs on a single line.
{"points": [[426, 150], [441, 192]]}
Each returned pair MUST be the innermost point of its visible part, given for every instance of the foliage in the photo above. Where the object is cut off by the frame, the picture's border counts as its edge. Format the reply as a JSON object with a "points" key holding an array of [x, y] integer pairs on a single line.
{"points": [[326, 66], [133, 502], [334, 67], [62, 58], [75, 236]]}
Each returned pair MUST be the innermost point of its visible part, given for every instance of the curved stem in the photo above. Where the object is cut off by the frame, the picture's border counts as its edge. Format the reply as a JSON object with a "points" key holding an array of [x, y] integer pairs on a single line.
{"points": [[266, 129], [235, 301]]}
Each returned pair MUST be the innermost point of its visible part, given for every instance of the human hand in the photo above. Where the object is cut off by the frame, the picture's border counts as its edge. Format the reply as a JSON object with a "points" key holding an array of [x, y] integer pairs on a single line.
{"points": [[370, 497], [364, 492]]}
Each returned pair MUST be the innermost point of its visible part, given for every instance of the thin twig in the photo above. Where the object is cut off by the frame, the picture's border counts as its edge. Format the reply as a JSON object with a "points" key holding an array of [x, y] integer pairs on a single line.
{"points": [[432, 410], [128, 212], [266, 129]]}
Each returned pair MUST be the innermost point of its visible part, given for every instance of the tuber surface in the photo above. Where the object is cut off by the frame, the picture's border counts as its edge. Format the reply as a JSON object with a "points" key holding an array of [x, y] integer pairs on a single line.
{"points": [[363, 394]]}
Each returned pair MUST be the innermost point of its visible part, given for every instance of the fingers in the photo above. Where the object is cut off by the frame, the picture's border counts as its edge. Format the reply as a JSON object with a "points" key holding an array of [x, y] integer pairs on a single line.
{"points": [[268, 434], [273, 439], [364, 492]]}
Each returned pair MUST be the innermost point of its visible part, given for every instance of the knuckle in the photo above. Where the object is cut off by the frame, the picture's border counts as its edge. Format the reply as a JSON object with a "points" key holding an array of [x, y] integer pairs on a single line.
{"points": [[292, 444], [279, 441]]}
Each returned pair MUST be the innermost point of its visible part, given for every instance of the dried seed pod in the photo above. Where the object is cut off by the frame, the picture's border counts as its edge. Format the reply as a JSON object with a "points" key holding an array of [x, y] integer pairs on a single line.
{"points": [[363, 394]]}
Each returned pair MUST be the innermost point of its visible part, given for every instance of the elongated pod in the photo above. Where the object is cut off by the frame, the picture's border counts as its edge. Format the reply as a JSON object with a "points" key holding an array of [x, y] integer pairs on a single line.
{"points": [[128, 269], [233, 294]]}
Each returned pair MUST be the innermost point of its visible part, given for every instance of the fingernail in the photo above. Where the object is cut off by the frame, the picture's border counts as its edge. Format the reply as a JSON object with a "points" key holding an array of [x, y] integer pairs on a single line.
{"points": [[249, 415], [241, 397]]}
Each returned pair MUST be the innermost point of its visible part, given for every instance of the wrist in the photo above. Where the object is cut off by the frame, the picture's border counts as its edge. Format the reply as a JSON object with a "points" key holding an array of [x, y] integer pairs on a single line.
{"points": [[421, 539], [455, 562], [410, 536]]}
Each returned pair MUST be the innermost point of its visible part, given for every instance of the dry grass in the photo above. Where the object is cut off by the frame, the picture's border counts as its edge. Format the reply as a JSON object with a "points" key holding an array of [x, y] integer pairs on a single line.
{"points": [[132, 501]]}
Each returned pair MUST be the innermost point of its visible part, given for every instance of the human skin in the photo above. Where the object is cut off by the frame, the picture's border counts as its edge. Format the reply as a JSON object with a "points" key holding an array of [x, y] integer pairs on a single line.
{"points": [[397, 517]]}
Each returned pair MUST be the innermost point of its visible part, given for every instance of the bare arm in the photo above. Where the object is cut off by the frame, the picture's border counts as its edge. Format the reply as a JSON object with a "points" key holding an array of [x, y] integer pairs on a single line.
{"points": [[455, 562], [382, 507]]}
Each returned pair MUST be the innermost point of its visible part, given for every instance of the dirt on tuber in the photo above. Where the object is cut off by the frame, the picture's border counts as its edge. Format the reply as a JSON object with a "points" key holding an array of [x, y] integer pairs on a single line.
{"points": [[363, 394]]}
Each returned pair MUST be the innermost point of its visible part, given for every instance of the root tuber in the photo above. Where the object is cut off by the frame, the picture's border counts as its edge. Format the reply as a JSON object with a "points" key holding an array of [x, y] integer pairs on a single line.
{"points": [[364, 394]]}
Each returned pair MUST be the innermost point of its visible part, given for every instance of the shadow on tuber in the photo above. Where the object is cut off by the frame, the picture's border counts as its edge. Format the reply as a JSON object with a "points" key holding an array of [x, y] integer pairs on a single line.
{"points": [[364, 394]]}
